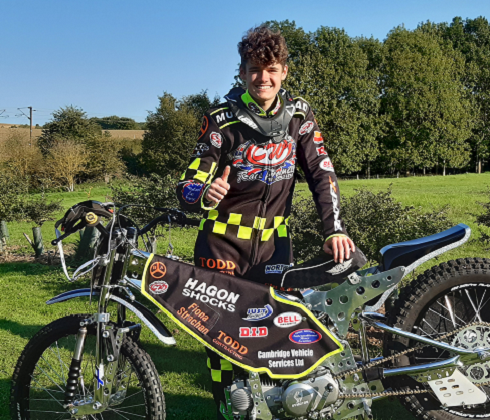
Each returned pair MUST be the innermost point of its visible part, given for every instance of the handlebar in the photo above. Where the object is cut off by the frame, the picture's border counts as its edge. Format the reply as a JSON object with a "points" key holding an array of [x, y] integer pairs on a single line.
{"points": [[89, 213]]}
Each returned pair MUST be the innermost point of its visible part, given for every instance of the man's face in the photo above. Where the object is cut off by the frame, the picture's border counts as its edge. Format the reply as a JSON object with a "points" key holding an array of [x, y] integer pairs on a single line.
{"points": [[263, 82]]}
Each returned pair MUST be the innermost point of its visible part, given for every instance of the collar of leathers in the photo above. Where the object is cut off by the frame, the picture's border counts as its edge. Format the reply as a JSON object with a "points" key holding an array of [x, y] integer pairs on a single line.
{"points": [[252, 104], [274, 127]]}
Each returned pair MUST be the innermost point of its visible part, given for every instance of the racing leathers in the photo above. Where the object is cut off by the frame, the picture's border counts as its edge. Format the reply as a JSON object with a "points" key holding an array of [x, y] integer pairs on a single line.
{"points": [[247, 234]]}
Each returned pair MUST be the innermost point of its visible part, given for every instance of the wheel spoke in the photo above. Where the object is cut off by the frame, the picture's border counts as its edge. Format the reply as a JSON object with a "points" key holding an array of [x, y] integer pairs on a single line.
{"points": [[125, 412], [44, 380], [450, 310], [477, 313]]}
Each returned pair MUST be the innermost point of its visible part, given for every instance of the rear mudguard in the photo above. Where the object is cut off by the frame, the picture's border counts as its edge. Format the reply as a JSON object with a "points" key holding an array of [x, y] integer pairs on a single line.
{"points": [[141, 311]]}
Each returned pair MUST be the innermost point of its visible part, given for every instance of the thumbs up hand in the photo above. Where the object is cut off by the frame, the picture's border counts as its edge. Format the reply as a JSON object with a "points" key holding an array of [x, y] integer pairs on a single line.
{"points": [[219, 188]]}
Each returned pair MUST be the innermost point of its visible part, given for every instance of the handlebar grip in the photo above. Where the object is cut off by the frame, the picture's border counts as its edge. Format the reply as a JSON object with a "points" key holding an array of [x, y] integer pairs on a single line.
{"points": [[193, 222]]}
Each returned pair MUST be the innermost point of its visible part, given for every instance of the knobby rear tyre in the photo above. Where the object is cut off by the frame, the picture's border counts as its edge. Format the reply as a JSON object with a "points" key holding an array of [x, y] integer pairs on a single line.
{"points": [[443, 299], [37, 382]]}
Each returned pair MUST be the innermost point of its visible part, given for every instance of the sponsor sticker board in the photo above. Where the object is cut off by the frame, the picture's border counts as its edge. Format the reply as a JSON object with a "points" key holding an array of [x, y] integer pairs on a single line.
{"points": [[247, 323]]}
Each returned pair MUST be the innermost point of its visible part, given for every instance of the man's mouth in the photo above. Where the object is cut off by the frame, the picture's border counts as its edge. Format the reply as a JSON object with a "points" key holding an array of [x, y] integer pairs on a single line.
{"points": [[263, 87]]}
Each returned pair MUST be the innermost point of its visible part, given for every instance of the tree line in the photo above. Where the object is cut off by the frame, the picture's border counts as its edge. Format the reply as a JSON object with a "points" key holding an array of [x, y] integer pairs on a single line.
{"points": [[415, 101]]}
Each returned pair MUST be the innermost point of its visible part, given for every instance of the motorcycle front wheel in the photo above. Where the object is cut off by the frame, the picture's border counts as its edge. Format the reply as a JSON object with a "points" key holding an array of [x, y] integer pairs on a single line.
{"points": [[445, 299], [39, 379]]}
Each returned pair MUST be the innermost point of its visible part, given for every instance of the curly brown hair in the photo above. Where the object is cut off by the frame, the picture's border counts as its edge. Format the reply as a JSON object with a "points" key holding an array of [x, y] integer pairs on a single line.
{"points": [[263, 46]]}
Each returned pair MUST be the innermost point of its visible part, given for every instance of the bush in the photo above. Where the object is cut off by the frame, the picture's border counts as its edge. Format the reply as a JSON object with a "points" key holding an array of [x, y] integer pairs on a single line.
{"points": [[38, 210], [154, 190], [22, 156], [66, 161], [373, 220], [12, 197], [483, 220]]}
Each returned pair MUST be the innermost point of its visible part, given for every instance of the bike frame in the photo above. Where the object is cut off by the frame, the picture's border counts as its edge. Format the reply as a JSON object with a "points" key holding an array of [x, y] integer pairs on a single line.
{"points": [[359, 288]]}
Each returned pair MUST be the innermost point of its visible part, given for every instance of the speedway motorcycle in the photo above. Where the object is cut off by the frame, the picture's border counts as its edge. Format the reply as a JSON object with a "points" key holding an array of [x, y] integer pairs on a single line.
{"points": [[296, 348]]}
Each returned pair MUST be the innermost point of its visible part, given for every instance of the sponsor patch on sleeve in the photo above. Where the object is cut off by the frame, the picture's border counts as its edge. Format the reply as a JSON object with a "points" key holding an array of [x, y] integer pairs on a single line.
{"points": [[192, 192], [318, 138], [216, 139], [200, 149], [326, 165], [306, 128], [204, 126], [320, 151]]}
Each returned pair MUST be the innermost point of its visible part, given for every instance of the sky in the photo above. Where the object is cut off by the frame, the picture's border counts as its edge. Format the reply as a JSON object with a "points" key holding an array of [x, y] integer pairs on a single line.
{"points": [[115, 57]]}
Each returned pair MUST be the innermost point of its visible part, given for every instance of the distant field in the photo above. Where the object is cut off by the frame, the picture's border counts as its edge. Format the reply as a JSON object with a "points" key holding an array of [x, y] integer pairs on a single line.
{"points": [[36, 132], [132, 134]]}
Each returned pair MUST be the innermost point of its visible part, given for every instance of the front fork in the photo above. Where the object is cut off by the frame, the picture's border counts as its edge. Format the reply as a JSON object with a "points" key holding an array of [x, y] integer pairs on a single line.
{"points": [[108, 342]]}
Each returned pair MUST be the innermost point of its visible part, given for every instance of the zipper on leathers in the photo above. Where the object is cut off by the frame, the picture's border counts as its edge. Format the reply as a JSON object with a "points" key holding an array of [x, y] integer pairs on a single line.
{"points": [[256, 232]]}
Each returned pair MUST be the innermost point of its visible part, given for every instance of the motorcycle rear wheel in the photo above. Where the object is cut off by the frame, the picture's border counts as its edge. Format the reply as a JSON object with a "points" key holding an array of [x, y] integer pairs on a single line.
{"points": [[39, 378], [443, 299]]}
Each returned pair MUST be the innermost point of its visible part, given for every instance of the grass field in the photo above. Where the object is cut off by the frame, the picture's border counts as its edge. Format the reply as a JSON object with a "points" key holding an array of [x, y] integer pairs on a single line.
{"points": [[24, 287]]}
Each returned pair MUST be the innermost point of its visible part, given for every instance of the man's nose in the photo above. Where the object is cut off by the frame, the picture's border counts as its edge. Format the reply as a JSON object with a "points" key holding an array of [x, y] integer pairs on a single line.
{"points": [[263, 76]]}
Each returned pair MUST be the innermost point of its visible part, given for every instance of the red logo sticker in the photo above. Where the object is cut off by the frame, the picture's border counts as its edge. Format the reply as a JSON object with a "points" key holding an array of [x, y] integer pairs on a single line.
{"points": [[318, 137], [326, 165], [254, 332], [158, 287], [306, 128], [216, 139], [320, 151]]}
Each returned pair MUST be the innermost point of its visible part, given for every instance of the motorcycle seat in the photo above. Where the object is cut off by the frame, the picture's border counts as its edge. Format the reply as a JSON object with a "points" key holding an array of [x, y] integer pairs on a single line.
{"points": [[417, 251]]}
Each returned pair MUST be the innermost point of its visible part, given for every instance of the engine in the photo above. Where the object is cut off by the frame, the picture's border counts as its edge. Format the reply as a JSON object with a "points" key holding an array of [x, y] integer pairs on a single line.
{"points": [[302, 398]]}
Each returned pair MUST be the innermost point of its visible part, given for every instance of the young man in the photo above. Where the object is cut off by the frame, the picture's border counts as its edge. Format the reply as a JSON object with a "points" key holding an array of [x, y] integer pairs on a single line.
{"points": [[242, 173]]}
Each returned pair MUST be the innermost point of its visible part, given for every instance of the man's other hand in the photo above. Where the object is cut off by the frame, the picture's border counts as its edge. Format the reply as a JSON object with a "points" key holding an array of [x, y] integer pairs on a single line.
{"points": [[219, 188], [340, 247]]}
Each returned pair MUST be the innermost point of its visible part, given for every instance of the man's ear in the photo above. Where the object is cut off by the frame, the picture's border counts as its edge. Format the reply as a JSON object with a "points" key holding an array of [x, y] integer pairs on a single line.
{"points": [[284, 72], [243, 73]]}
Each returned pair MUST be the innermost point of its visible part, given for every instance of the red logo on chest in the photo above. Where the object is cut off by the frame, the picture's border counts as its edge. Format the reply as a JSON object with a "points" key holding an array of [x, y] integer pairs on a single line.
{"points": [[270, 154]]}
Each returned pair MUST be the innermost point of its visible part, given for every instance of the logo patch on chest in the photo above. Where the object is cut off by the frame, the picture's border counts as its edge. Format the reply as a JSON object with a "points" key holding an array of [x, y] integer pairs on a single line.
{"points": [[268, 163]]}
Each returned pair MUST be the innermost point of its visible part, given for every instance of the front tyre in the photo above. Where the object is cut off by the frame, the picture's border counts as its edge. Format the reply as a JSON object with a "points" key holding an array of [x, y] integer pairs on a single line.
{"points": [[445, 299], [39, 379]]}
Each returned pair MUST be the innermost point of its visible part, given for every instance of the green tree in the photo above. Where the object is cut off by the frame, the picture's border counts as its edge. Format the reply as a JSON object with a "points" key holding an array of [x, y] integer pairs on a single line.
{"points": [[68, 123], [104, 158], [428, 115], [332, 72], [471, 37], [172, 132], [116, 123]]}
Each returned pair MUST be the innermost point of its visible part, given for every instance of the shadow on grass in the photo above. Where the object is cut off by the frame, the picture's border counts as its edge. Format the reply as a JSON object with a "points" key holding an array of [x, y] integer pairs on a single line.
{"points": [[189, 407], [22, 330], [4, 396], [176, 360], [390, 409]]}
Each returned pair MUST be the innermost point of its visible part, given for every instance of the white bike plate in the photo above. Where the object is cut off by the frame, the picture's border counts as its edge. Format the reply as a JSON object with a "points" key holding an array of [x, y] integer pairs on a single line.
{"points": [[457, 390]]}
